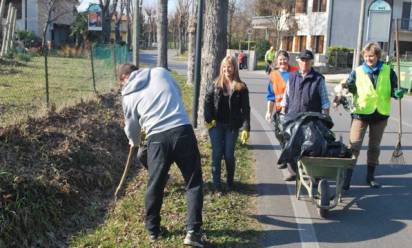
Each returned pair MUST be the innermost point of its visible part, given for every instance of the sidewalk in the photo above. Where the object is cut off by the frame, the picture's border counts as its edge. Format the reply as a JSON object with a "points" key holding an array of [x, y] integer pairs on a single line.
{"points": [[335, 78]]}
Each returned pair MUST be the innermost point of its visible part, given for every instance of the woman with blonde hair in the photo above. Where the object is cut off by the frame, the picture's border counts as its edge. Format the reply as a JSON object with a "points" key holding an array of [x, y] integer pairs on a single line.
{"points": [[226, 110], [373, 84]]}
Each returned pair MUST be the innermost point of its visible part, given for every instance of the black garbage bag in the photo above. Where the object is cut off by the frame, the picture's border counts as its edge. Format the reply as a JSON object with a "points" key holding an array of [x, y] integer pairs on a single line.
{"points": [[277, 121], [309, 134]]}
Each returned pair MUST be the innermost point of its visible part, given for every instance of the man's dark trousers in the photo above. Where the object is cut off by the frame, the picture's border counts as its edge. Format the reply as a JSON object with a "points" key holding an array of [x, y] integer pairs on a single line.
{"points": [[175, 145]]}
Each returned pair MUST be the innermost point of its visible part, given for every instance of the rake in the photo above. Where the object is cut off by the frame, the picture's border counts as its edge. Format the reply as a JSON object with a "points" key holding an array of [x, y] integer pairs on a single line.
{"points": [[132, 153], [397, 155]]}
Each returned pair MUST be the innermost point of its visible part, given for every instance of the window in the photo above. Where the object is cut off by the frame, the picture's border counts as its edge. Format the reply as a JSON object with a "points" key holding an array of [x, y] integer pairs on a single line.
{"points": [[406, 15], [17, 4], [287, 43], [300, 43], [300, 6], [317, 43], [319, 6]]}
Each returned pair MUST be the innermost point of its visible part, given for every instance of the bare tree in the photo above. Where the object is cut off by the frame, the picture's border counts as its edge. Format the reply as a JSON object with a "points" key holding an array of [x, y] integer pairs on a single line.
{"points": [[118, 15], [150, 13], [191, 30], [214, 44], [162, 33], [182, 19], [129, 22], [54, 10], [231, 12], [283, 21], [107, 15]]}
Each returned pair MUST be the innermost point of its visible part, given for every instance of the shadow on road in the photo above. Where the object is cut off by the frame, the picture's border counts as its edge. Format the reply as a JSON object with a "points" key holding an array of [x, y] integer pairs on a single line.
{"points": [[364, 217]]}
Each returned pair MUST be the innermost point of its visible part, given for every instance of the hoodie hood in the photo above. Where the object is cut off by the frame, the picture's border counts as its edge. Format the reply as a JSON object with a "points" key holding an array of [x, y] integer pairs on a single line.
{"points": [[137, 81]]}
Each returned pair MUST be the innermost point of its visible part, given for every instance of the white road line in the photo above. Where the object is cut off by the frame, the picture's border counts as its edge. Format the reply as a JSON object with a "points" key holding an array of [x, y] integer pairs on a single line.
{"points": [[305, 225]]}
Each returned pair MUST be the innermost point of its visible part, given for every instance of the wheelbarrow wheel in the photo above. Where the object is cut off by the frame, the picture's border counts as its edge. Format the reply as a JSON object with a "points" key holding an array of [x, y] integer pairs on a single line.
{"points": [[323, 189]]}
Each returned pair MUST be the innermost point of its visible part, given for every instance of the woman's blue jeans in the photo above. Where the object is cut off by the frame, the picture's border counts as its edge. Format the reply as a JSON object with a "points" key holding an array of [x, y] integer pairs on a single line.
{"points": [[223, 139]]}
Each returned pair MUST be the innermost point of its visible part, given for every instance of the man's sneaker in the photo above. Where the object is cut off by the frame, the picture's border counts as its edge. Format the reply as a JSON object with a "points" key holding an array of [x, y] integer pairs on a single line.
{"points": [[154, 236], [194, 239]]}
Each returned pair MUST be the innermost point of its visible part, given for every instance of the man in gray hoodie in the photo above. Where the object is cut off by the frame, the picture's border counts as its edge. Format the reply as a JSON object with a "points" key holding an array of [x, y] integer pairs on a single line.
{"points": [[152, 101]]}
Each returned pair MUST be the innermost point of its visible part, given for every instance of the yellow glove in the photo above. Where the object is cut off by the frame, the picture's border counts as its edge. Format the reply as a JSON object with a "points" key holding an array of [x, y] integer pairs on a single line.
{"points": [[211, 124], [244, 137]]}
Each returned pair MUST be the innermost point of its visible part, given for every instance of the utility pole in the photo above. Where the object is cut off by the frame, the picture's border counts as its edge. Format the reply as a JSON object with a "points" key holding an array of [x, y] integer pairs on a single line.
{"points": [[136, 32], [356, 55], [199, 32]]}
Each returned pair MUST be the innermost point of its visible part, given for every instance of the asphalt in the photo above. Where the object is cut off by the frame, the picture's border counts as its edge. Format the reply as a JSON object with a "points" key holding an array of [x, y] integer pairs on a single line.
{"points": [[366, 218]]}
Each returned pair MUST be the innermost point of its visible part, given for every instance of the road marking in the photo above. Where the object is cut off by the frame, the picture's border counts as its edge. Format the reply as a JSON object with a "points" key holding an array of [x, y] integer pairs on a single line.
{"points": [[305, 225]]}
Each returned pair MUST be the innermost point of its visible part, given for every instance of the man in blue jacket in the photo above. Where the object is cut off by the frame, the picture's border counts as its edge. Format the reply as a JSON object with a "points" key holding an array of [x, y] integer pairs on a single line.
{"points": [[152, 100]]}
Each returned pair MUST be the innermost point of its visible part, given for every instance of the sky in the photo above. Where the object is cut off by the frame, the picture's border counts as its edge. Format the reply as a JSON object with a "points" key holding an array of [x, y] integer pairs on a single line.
{"points": [[84, 4]]}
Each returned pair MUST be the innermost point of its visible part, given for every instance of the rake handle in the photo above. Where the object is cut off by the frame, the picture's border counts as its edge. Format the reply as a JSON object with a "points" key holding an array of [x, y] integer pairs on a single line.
{"points": [[132, 152], [398, 63]]}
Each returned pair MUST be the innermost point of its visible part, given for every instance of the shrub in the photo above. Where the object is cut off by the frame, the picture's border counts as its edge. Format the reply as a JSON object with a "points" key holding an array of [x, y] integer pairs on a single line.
{"points": [[261, 47], [27, 37], [339, 56], [25, 57]]}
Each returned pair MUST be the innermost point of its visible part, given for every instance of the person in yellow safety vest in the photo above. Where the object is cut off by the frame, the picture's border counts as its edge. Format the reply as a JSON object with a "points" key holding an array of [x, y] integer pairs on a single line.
{"points": [[269, 57], [373, 84]]}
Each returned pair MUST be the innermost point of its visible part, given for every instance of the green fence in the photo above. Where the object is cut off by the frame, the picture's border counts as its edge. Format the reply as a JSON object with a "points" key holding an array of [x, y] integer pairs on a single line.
{"points": [[22, 83], [405, 75]]}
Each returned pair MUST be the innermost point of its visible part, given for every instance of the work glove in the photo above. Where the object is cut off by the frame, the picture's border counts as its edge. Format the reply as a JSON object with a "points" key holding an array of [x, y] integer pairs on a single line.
{"points": [[211, 124], [244, 137], [398, 93], [268, 116]]}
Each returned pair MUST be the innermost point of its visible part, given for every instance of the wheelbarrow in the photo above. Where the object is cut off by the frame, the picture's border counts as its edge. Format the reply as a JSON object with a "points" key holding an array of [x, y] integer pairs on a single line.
{"points": [[318, 170]]}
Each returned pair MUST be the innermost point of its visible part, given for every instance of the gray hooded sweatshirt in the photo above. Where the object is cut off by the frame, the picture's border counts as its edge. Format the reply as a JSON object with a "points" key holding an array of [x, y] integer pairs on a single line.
{"points": [[152, 101]]}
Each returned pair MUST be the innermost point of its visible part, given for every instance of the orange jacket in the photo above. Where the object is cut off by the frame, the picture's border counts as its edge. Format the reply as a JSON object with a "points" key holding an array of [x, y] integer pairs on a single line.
{"points": [[279, 85]]}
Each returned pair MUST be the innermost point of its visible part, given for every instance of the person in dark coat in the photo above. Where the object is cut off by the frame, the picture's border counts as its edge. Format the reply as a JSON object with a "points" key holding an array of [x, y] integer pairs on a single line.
{"points": [[305, 92], [226, 111]]}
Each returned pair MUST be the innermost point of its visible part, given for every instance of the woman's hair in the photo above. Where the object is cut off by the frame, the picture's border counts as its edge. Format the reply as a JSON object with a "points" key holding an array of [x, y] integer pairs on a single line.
{"points": [[219, 82], [125, 69], [283, 53], [374, 48]]}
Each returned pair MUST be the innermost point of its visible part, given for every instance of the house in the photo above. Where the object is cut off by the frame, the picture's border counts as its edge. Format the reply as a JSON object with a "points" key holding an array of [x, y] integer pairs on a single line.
{"points": [[122, 28], [32, 16], [325, 23]]}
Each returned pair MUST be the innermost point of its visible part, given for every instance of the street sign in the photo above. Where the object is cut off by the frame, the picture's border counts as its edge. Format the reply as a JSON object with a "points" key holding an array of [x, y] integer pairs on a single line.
{"points": [[379, 21], [94, 18]]}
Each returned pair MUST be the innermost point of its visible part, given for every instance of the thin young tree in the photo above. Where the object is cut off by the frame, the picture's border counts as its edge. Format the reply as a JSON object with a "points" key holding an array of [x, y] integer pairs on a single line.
{"points": [[54, 9], [162, 33]]}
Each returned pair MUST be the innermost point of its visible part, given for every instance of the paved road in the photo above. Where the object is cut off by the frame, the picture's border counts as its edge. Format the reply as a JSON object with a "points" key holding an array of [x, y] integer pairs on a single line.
{"points": [[366, 217]]}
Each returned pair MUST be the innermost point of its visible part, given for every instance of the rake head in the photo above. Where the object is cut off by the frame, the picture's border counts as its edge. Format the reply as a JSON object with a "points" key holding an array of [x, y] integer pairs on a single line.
{"points": [[397, 155]]}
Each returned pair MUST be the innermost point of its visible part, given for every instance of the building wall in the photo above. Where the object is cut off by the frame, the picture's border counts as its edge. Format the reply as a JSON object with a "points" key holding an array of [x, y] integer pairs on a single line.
{"points": [[345, 19], [311, 24], [344, 22]]}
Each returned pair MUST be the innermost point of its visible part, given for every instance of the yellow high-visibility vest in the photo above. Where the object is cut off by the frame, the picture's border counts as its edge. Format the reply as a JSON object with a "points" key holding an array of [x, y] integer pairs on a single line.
{"points": [[368, 99]]}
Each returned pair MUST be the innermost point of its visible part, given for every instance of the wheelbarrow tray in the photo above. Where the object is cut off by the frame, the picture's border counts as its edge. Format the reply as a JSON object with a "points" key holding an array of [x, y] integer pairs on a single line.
{"points": [[311, 169]]}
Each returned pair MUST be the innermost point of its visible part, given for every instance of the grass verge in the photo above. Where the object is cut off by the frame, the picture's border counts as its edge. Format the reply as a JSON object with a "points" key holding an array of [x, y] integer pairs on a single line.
{"points": [[23, 91], [227, 221]]}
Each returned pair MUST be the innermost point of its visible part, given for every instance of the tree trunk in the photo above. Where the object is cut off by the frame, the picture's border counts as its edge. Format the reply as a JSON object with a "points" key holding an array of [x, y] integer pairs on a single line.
{"points": [[106, 25], [162, 33], [214, 45], [117, 31], [191, 48], [129, 25]]}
